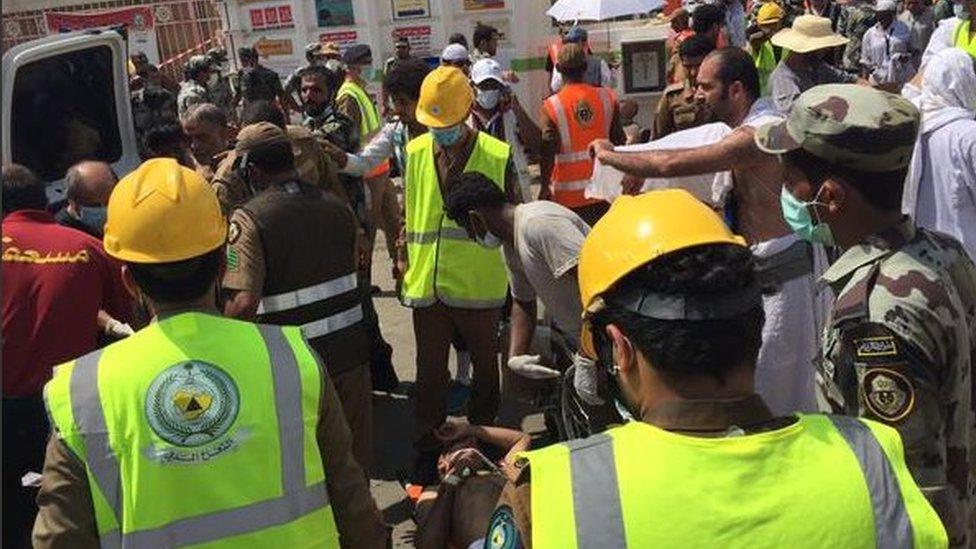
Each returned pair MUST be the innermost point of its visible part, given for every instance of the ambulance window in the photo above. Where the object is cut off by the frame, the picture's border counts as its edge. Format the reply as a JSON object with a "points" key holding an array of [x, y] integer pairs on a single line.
{"points": [[64, 111]]}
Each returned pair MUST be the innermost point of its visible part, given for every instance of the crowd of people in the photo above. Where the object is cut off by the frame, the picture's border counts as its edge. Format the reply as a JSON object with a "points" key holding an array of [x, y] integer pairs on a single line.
{"points": [[190, 351]]}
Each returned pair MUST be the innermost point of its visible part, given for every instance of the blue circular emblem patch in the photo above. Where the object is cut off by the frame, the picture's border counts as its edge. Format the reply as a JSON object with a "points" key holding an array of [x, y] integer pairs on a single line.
{"points": [[192, 403], [502, 531]]}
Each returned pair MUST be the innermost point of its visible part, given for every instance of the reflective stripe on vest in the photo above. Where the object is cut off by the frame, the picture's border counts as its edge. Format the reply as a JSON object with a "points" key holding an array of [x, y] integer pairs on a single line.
{"points": [[579, 500], [87, 434], [333, 323], [307, 296], [444, 263], [962, 40], [573, 166]]}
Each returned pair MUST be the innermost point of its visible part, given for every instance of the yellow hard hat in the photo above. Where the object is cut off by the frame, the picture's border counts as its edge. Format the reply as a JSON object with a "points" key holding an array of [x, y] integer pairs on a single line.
{"points": [[636, 231], [770, 12], [162, 213], [445, 98]]}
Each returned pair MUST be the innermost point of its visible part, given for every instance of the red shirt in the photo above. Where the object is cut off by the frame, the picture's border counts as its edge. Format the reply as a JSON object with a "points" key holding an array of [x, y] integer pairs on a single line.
{"points": [[55, 280]]}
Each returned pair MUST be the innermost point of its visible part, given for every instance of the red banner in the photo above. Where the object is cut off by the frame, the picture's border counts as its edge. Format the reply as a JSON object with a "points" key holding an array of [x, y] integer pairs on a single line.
{"points": [[139, 18]]}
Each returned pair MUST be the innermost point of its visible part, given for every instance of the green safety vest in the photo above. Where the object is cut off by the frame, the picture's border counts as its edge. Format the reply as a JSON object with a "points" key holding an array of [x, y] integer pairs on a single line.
{"points": [[444, 264], [765, 60], [824, 481], [369, 119], [199, 430], [962, 40]]}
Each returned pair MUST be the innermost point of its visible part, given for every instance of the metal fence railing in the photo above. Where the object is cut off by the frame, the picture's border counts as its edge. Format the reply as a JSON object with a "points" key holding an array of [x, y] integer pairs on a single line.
{"points": [[183, 27]]}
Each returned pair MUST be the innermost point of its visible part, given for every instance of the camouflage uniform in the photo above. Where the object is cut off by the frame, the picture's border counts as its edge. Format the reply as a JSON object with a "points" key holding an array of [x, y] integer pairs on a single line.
{"points": [[191, 93], [342, 132], [855, 19], [223, 97], [151, 105], [312, 163], [678, 110], [900, 341]]}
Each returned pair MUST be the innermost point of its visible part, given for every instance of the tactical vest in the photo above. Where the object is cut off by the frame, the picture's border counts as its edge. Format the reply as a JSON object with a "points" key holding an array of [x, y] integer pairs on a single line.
{"points": [[199, 430], [309, 242], [444, 264], [583, 113], [824, 481], [961, 39]]}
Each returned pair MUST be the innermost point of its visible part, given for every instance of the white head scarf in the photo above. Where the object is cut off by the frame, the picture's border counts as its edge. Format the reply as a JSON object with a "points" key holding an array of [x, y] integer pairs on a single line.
{"points": [[948, 93], [948, 89]]}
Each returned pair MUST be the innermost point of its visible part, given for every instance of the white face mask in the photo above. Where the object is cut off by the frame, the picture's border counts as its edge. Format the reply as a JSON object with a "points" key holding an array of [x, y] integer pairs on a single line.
{"points": [[489, 240], [488, 99], [214, 77]]}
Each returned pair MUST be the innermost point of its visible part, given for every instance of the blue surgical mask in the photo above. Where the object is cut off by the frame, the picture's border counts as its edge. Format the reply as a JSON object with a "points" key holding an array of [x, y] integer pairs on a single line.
{"points": [[960, 11], [445, 137], [489, 240], [797, 216], [488, 99], [93, 217]]}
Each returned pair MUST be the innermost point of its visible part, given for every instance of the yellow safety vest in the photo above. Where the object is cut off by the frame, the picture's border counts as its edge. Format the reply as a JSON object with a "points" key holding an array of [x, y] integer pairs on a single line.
{"points": [[369, 119], [766, 62], [825, 481], [962, 40], [444, 263], [199, 430]]}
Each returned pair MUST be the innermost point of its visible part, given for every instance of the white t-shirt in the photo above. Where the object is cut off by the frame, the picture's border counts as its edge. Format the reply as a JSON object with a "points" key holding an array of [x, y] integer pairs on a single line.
{"points": [[548, 238]]}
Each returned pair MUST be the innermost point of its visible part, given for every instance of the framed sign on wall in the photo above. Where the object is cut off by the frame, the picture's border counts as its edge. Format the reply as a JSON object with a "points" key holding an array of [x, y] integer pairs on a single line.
{"points": [[644, 66]]}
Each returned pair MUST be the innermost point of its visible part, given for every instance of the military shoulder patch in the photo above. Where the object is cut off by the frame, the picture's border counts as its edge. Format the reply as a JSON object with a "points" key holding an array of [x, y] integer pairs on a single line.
{"points": [[503, 533], [887, 394], [233, 232], [875, 347]]}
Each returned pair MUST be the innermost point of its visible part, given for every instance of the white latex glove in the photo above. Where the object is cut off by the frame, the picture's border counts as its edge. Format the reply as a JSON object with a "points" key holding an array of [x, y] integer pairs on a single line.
{"points": [[115, 328], [530, 367], [585, 380]]}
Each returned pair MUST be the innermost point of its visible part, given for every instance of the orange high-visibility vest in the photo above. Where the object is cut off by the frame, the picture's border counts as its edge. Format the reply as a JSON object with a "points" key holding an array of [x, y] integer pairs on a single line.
{"points": [[554, 52], [582, 113]]}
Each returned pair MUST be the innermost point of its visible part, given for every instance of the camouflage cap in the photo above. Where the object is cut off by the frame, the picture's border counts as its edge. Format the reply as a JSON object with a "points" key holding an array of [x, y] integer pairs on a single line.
{"points": [[197, 63], [217, 55], [313, 48], [853, 126], [256, 136]]}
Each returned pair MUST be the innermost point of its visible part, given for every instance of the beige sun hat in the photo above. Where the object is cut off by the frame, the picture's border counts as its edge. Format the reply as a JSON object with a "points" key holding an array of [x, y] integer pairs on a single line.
{"points": [[808, 33]]}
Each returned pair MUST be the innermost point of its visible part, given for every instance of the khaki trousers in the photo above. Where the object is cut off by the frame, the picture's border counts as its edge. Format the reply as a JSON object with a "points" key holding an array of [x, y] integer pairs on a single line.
{"points": [[384, 212], [433, 328], [355, 390]]}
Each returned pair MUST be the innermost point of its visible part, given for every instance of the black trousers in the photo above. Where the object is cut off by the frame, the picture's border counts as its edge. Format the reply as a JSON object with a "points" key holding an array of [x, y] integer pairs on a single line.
{"points": [[25, 435]]}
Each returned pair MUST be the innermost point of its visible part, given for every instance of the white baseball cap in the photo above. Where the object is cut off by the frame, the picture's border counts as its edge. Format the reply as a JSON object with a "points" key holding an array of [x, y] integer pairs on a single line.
{"points": [[454, 52], [886, 5], [487, 69]]}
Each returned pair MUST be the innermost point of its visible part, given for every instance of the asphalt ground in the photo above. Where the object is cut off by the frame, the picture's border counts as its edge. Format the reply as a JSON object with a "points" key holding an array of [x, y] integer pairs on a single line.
{"points": [[393, 413]]}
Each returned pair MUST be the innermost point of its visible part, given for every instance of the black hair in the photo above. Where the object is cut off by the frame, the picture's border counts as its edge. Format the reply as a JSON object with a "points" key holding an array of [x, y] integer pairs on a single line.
{"points": [[247, 53], [458, 38], [406, 77], [482, 32], [180, 281], [695, 46], [736, 65], [273, 158], [689, 347], [470, 191], [22, 190], [882, 190], [262, 111], [161, 139], [707, 16]]}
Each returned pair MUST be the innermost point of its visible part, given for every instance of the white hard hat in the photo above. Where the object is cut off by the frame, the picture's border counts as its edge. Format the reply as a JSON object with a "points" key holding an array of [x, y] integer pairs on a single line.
{"points": [[454, 52], [487, 69]]}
